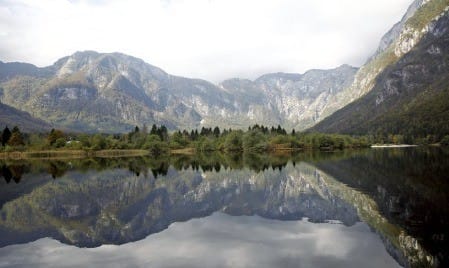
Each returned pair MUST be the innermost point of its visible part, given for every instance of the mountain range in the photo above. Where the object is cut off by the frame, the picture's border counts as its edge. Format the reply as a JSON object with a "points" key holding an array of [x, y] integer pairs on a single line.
{"points": [[112, 92], [93, 91]]}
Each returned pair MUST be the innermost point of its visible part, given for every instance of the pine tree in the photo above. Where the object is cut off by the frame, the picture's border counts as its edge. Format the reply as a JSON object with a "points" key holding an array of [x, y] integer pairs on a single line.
{"points": [[216, 132], [6, 135], [153, 130], [16, 138]]}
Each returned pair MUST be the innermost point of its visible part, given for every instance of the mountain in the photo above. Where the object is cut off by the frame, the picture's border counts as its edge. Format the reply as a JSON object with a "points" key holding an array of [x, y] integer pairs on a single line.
{"points": [[408, 94], [112, 92], [12, 117], [293, 100]]}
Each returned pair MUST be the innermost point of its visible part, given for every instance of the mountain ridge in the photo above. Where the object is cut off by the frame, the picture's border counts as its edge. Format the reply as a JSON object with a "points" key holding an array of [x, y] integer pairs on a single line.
{"points": [[130, 92], [409, 97], [12, 117], [112, 92]]}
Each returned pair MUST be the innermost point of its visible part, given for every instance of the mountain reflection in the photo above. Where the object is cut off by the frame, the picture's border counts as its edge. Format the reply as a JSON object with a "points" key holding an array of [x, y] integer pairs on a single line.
{"points": [[91, 202]]}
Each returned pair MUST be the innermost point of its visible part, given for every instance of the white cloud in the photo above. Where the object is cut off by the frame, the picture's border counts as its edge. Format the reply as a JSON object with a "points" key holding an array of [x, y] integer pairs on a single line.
{"points": [[211, 39]]}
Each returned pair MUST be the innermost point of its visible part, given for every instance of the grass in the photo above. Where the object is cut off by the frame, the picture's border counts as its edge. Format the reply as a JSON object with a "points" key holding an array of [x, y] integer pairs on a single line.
{"points": [[71, 154], [184, 151], [426, 13]]}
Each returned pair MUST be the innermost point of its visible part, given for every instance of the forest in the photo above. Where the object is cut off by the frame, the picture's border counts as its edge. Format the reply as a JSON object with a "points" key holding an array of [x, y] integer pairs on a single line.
{"points": [[158, 140]]}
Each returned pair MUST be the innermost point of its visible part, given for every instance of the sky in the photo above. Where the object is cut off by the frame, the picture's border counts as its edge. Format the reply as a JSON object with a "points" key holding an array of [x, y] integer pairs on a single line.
{"points": [[208, 39]]}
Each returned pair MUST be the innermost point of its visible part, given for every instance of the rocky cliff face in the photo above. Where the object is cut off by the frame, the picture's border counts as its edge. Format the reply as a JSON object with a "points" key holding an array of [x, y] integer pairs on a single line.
{"points": [[111, 92], [294, 100], [393, 34], [405, 86], [399, 40]]}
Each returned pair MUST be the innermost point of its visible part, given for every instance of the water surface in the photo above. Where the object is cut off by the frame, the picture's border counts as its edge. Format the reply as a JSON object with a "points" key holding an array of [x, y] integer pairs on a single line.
{"points": [[372, 208]]}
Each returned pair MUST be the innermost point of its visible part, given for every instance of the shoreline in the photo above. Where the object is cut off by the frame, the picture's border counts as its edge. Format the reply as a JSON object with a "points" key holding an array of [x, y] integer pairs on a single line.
{"points": [[393, 145], [71, 154], [116, 153]]}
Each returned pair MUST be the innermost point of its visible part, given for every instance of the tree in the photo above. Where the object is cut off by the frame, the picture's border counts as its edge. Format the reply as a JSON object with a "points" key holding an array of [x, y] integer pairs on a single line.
{"points": [[445, 141], [233, 142], [98, 142], [217, 132], [54, 135], [16, 138], [153, 130], [254, 140], [163, 133], [178, 140], [6, 135], [155, 145]]}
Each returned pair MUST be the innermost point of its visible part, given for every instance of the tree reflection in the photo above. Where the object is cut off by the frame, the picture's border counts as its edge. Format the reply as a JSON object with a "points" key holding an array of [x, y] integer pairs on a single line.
{"points": [[12, 172], [159, 166], [6, 173]]}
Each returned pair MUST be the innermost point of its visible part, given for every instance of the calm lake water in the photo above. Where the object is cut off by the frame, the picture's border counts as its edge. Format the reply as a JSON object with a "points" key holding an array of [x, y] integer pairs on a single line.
{"points": [[371, 208]]}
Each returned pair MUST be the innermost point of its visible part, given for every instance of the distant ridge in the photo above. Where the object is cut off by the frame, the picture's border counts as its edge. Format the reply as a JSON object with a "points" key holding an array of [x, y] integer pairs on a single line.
{"points": [[12, 117]]}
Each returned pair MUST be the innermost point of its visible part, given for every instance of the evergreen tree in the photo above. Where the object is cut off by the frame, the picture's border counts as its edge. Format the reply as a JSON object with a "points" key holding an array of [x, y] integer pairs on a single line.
{"points": [[16, 138], [153, 130], [6, 135], [216, 132], [163, 133]]}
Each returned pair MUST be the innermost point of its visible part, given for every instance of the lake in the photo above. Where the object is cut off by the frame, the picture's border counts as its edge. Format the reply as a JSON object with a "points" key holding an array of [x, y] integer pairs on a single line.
{"points": [[385, 207]]}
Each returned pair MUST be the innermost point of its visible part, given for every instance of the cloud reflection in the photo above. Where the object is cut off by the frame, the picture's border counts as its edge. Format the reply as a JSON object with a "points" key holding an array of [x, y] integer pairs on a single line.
{"points": [[219, 240]]}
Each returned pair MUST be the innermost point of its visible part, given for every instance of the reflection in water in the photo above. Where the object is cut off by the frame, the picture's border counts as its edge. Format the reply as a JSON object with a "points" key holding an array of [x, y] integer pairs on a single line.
{"points": [[13, 172], [221, 240], [411, 190], [114, 201]]}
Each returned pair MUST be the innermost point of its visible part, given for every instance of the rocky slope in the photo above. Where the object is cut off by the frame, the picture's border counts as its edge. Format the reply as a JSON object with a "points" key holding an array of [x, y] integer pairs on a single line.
{"points": [[112, 92], [12, 117], [407, 88], [294, 100]]}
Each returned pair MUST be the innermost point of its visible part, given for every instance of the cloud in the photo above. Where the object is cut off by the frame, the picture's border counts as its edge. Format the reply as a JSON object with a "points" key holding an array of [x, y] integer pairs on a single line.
{"points": [[211, 39]]}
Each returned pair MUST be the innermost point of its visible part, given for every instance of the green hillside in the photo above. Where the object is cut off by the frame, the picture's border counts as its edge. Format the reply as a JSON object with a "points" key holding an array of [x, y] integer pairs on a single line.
{"points": [[410, 97]]}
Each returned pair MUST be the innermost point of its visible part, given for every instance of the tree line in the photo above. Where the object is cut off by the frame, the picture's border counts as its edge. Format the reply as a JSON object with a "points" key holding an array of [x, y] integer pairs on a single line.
{"points": [[159, 140]]}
